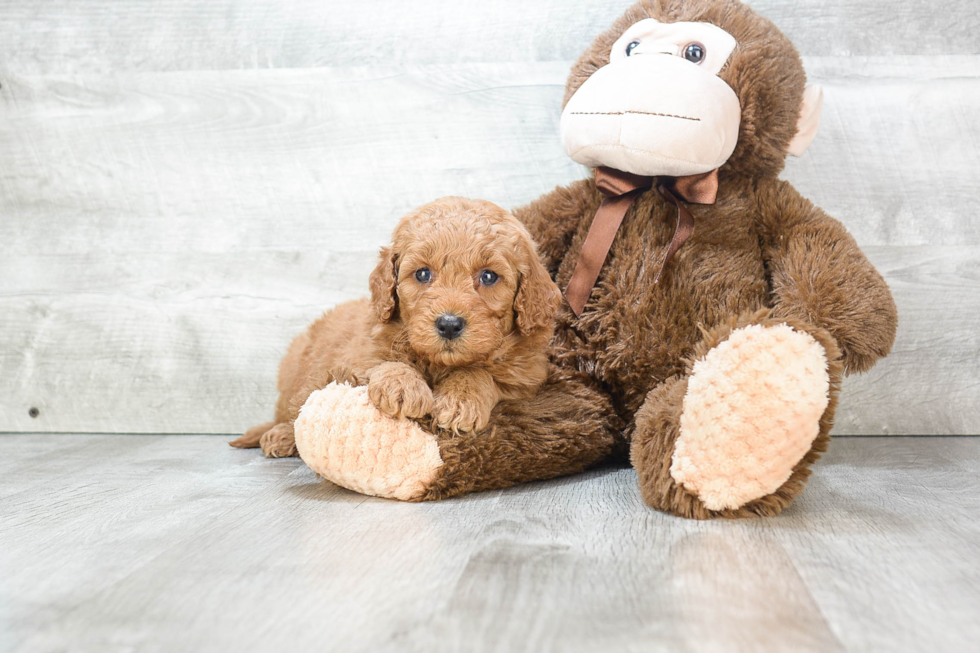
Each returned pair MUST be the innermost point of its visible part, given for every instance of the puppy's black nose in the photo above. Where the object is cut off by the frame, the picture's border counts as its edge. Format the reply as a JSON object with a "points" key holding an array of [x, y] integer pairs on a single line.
{"points": [[450, 326]]}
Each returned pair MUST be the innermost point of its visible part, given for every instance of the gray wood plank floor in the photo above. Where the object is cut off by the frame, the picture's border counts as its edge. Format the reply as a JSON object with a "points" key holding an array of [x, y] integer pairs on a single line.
{"points": [[179, 543]]}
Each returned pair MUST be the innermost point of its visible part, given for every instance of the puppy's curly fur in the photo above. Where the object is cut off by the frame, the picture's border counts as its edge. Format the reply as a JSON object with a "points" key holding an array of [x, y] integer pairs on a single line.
{"points": [[457, 257]]}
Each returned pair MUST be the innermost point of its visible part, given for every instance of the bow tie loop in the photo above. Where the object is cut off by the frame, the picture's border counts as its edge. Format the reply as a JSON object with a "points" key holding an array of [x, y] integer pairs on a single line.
{"points": [[620, 189]]}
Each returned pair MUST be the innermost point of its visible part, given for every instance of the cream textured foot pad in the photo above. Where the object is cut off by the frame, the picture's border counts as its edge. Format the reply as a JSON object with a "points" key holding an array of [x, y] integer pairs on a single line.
{"points": [[342, 437], [751, 412]]}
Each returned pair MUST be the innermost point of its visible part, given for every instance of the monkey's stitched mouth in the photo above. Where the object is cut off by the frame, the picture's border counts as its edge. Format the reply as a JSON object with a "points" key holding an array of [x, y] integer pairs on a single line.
{"points": [[642, 113]]}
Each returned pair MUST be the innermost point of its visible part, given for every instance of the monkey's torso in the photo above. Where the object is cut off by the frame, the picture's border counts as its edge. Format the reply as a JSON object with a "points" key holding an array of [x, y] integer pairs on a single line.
{"points": [[634, 333]]}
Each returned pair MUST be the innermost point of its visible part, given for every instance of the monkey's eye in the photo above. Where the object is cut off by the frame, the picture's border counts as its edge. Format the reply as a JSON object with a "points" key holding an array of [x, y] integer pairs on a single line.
{"points": [[488, 277], [632, 46], [423, 275], [694, 53]]}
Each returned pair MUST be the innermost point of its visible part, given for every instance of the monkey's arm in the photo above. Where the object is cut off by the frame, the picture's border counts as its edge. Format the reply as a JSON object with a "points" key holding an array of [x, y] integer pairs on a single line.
{"points": [[818, 274], [554, 218]]}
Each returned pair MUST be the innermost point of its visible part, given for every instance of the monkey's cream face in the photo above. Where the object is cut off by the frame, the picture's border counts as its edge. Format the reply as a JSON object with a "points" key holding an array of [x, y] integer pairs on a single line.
{"points": [[659, 106]]}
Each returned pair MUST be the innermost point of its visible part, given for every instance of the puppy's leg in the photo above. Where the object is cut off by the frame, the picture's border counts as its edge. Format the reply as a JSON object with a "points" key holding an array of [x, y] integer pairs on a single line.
{"points": [[398, 390], [464, 399], [251, 438], [279, 441], [276, 440], [292, 374]]}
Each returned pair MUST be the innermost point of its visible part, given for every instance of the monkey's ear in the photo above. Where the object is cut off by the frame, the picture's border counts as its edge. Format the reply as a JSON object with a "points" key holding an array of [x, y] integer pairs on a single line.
{"points": [[383, 283], [809, 121], [538, 298]]}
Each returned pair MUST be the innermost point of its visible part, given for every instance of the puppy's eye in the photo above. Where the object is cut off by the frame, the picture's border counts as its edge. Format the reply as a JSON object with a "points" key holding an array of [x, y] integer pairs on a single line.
{"points": [[488, 277], [632, 46], [694, 53], [423, 275]]}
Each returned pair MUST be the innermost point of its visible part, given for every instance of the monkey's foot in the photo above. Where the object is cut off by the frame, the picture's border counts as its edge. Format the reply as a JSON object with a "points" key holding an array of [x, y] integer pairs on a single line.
{"points": [[345, 439], [751, 412]]}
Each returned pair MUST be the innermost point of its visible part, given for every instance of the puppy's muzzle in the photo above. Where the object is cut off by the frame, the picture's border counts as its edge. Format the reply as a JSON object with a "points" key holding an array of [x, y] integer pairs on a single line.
{"points": [[450, 326]]}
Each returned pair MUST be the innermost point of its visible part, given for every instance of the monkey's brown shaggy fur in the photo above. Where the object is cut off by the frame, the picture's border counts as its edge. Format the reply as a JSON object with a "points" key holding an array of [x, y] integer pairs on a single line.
{"points": [[391, 344], [761, 254]]}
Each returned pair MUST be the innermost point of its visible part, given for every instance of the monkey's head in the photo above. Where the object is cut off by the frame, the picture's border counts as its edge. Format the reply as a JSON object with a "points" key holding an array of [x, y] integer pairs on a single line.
{"points": [[684, 87]]}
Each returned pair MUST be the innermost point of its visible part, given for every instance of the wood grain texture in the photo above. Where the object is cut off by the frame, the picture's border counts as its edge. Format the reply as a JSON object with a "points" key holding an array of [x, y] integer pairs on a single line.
{"points": [[166, 234], [74, 36], [929, 384], [163, 543], [195, 159], [202, 356], [897, 156]]}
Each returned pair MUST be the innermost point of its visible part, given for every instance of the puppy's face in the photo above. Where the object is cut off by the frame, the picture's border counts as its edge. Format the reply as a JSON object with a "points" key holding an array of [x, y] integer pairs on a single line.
{"points": [[460, 277]]}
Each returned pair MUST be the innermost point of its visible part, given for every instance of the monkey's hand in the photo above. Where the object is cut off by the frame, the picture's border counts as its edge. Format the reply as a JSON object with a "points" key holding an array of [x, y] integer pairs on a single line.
{"points": [[818, 274]]}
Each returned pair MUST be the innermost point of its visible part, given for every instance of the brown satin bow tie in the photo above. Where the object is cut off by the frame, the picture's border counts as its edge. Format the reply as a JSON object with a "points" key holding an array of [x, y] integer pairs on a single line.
{"points": [[621, 189]]}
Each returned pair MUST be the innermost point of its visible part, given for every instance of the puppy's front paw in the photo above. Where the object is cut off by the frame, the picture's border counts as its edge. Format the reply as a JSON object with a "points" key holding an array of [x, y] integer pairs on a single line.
{"points": [[399, 391], [460, 414]]}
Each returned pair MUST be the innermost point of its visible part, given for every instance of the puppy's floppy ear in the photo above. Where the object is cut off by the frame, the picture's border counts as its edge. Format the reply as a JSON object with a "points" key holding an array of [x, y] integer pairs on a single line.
{"points": [[383, 283], [538, 297]]}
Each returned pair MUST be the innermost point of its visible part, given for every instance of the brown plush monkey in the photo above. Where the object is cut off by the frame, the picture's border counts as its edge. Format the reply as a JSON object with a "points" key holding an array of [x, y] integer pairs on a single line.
{"points": [[707, 332]]}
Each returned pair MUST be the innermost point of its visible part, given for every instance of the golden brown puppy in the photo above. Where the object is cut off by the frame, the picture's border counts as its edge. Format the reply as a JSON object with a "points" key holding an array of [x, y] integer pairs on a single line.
{"points": [[460, 316]]}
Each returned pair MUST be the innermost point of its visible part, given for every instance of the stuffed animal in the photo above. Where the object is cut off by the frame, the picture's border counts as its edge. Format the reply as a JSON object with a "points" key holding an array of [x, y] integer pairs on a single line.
{"points": [[711, 310]]}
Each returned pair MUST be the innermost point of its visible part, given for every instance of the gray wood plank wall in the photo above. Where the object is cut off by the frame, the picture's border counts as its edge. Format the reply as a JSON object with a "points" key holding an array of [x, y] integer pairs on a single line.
{"points": [[184, 185]]}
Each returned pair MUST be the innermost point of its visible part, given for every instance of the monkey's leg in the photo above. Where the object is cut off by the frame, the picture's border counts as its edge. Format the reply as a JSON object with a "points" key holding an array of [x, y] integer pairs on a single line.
{"points": [[564, 429], [736, 435]]}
